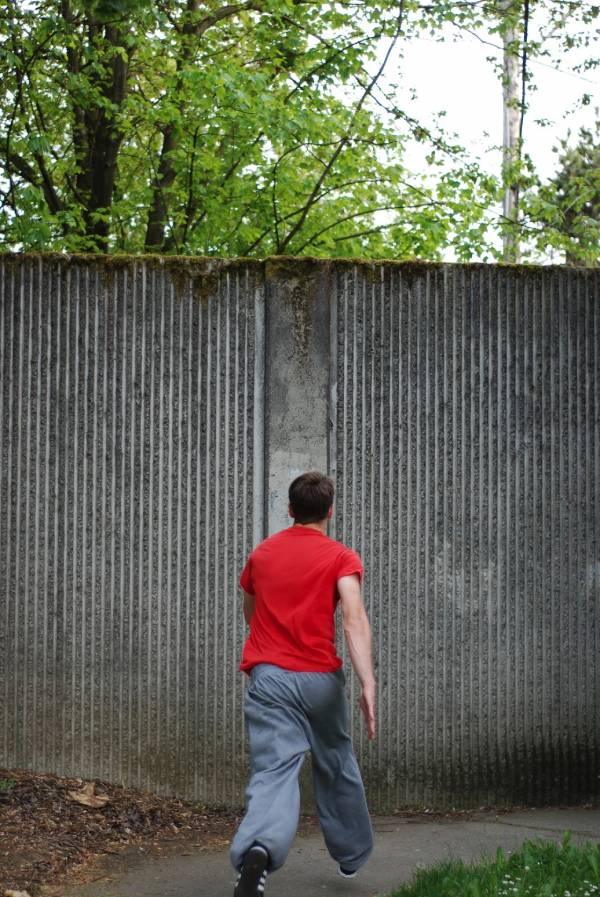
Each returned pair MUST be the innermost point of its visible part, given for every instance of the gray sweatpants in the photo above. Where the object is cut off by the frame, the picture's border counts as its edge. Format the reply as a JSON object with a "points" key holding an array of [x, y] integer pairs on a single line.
{"points": [[288, 713]]}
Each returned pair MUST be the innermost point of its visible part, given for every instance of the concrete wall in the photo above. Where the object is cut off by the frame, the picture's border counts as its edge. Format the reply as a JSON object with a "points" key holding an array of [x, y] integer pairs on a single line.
{"points": [[132, 490], [152, 413], [467, 424]]}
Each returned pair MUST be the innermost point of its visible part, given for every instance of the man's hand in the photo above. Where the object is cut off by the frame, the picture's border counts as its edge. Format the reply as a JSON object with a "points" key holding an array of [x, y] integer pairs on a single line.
{"points": [[367, 705]]}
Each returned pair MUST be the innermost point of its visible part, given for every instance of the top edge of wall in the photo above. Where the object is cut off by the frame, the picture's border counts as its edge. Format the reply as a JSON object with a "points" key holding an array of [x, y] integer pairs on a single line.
{"points": [[277, 265], [123, 259]]}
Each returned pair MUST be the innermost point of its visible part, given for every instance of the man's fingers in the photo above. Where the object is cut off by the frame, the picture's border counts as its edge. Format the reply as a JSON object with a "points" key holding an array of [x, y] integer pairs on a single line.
{"points": [[371, 722], [368, 711]]}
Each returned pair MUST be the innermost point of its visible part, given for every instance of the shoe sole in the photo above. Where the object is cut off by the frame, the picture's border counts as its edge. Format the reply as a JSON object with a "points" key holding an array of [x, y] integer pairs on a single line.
{"points": [[255, 864]]}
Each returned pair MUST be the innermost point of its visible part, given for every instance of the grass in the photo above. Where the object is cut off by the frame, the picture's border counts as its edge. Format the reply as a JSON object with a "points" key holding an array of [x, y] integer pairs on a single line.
{"points": [[539, 869]]}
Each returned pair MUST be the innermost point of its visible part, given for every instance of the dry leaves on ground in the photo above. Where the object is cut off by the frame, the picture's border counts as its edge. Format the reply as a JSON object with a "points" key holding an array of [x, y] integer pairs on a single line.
{"points": [[87, 797], [50, 824]]}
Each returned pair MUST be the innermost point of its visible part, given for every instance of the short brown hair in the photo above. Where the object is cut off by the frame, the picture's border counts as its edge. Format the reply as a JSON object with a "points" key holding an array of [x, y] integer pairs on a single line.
{"points": [[311, 496]]}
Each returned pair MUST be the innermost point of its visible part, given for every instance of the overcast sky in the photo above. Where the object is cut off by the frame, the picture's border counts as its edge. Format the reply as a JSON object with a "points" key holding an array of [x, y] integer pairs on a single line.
{"points": [[455, 76]]}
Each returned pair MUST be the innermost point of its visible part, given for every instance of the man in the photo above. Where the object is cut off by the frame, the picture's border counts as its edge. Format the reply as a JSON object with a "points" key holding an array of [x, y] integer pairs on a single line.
{"points": [[292, 583]]}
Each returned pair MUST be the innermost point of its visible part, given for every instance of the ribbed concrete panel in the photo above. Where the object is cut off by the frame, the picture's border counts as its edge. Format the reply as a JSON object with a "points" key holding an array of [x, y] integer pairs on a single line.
{"points": [[131, 483], [466, 448], [464, 419]]}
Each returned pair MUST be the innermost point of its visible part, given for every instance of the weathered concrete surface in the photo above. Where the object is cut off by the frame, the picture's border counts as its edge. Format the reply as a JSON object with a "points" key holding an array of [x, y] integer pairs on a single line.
{"points": [[131, 486], [152, 413], [400, 848], [467, 464], [297, 382]]}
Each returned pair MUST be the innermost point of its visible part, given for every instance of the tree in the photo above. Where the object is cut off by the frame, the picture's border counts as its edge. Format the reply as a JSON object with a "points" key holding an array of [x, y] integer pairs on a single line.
{"points": [[513, 110], [563, 27], [569, 204], [243, 128], [228, 128]]}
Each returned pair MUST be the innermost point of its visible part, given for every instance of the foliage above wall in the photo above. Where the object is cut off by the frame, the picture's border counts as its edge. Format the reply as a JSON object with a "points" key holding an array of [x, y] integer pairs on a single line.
{"points": [[241, 129]]}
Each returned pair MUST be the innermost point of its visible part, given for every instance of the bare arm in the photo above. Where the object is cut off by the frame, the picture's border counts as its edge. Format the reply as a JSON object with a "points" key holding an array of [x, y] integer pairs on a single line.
{"points": [[357, 631], [248, 606]]}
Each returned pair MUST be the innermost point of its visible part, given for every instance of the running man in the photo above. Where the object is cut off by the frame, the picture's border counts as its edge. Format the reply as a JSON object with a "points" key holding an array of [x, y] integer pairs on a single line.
{"points": [[295, 700]]}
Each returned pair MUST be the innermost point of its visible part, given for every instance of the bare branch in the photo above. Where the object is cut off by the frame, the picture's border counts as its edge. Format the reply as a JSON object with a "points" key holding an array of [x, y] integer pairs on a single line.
{"points": [[350, 217], [523, 72], [198, 28], [28, 173]]}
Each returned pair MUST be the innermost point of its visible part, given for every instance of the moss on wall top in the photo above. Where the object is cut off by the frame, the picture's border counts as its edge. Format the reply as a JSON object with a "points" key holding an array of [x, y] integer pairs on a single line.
{"points": [[200, 275]]}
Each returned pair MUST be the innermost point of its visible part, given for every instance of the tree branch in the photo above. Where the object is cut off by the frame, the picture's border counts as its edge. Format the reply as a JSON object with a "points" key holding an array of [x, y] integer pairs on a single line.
{"points": [[344, 141], [80, 120], [27, 172], [197, 29], [523, 71], [165, 172], [350, 217], [298, 86]]}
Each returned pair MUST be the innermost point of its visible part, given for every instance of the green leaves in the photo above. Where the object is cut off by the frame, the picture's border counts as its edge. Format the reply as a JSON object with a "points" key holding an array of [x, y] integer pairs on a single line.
{"points": [[111, 10], [568, 206], [10, 58], [244, 129]]}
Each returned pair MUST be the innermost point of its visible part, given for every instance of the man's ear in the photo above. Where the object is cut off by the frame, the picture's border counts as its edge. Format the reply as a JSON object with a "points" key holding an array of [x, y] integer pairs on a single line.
{"points": [[330, 512], [290, 512]]}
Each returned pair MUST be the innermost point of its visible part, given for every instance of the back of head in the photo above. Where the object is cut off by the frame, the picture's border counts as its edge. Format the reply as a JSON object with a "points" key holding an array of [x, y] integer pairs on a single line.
{"points": [[311, 496]]}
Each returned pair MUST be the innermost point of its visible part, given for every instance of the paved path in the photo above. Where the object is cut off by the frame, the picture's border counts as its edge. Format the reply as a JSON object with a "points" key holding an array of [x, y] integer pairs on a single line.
{"points": [[401, 846]]}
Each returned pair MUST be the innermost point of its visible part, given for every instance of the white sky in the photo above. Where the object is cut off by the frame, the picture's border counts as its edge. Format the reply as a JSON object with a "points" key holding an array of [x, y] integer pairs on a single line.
{"points": [[454, 75]]}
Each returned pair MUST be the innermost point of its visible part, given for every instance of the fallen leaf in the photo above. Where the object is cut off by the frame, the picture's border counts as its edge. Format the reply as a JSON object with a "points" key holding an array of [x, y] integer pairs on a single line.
{"points": [[87, 797]]}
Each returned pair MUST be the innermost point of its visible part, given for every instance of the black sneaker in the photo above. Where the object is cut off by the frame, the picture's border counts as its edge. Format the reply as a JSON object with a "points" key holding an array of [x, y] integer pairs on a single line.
{"points": [[346, 873], [251, 881]]}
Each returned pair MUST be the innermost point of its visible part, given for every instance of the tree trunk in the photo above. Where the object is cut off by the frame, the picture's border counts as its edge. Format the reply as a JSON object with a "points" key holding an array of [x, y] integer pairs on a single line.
{"points": [[155, 231], [104, 138]]}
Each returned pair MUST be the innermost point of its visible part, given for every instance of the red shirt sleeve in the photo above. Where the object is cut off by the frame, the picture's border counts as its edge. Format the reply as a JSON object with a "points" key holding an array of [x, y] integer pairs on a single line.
{"points": [[246, 577], [349, 563]]}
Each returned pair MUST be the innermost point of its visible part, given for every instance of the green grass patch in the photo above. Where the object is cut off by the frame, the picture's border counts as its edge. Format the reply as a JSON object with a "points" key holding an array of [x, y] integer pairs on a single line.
{"points": [[7, 784], [539, 869]]}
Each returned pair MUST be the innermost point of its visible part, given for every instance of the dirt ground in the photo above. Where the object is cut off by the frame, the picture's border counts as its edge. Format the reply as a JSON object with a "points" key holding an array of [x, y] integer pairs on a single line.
{"points": [[47, 834], [51, 832]]}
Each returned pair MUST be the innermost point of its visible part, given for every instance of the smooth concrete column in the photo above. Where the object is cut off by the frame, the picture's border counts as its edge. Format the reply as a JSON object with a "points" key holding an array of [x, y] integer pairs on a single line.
{"points": [[297, 389], [296, 377]]}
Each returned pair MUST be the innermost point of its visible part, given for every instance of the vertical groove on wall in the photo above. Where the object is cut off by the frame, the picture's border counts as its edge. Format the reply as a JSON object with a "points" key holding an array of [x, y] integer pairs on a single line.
{"points": [[467, 457]]}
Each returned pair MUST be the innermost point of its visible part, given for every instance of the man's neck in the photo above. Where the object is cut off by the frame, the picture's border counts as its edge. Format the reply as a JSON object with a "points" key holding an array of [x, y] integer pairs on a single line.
{"points": [[321, 525]]}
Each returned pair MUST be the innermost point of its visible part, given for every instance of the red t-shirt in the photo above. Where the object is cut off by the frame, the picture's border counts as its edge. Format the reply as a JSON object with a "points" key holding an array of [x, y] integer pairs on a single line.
{"points": [[293, 575]]}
